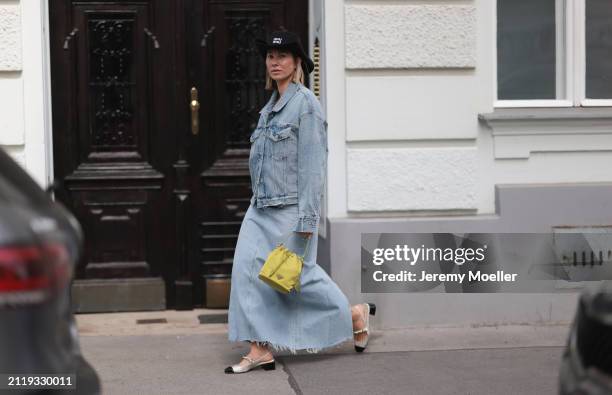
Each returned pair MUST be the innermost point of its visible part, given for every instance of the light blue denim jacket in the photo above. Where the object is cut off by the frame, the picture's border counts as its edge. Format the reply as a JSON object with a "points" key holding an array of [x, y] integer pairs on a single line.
{"points": [[288, 158]]}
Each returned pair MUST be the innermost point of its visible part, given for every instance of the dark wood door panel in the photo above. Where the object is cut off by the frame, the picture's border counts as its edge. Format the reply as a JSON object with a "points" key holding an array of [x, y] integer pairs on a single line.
{"points": [[110, 62], [114, 134], [118, 225], [112, 82]]}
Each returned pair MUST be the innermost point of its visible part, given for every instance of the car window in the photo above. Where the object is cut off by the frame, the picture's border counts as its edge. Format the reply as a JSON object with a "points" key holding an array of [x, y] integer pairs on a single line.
{"points": [[16, 185]]}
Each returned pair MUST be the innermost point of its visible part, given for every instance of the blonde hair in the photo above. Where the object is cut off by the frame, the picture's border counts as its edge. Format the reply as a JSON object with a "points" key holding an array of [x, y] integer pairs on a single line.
{"points": [[297, 77]]}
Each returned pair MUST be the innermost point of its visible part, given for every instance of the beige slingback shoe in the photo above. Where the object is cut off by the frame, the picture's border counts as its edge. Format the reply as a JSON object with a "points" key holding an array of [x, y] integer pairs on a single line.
{"points": [[253, 363], [363, 343]]}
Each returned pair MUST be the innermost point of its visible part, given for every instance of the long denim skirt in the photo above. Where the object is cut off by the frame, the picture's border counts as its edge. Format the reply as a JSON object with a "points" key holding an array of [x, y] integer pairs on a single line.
{"points": [[316, 317]]}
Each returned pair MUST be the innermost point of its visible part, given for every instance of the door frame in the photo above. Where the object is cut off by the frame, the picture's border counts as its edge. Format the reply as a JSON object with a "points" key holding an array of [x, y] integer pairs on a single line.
{"points": [[47, 98], [36, 87]]}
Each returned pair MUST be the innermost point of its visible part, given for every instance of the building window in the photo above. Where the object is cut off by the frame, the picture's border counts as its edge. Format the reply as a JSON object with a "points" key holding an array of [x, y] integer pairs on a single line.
{"points": [[554, 53]]}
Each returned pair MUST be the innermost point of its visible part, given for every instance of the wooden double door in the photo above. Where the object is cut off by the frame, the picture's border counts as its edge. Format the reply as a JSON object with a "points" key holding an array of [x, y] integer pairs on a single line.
{"points": [[153, 103]]}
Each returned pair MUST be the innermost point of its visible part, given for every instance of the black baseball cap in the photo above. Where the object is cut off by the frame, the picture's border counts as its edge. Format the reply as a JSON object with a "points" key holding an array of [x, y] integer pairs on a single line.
{"points": [[288, 41]]}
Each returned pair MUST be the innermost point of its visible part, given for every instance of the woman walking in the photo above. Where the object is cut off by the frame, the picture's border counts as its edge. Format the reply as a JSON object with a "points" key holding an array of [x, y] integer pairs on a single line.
{"points": [[288, 165]]}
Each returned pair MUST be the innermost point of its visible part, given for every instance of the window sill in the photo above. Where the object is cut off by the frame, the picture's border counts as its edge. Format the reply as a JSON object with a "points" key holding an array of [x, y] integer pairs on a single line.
{"points": [[519, 132]]}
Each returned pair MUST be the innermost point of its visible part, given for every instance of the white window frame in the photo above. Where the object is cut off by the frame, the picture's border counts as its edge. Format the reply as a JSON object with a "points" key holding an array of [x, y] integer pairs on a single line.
{"points": [[572, 69]]}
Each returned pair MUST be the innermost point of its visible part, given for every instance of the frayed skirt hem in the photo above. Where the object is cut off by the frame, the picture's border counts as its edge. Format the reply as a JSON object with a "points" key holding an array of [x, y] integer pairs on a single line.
{"points": [[294, 350]]}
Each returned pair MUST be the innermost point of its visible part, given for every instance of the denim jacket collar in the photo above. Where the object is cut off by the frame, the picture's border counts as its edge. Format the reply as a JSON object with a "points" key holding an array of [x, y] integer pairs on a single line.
{"points": [[289, 93]]}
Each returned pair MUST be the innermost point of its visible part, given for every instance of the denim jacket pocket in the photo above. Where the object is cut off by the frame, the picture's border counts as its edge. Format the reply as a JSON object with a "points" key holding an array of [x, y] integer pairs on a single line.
{"points": [[255, 135], [284, 143], [281, 135]]}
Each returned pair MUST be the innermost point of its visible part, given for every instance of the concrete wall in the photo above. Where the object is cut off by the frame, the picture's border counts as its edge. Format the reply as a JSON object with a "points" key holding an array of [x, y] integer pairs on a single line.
{"points": [[24, 94], [522, 208], [411, 108]]}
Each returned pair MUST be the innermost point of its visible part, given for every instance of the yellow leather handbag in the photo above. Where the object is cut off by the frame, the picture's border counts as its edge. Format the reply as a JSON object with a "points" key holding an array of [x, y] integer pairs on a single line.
{"points": [[282, 269]]}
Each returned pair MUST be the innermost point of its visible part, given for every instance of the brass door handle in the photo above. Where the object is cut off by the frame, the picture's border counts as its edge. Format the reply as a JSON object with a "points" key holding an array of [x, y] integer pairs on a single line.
{"points": [[194, 105]]}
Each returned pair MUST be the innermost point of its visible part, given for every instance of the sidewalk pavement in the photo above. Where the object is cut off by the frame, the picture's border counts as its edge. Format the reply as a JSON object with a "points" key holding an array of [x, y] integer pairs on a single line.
{"points": [[183, 356]]}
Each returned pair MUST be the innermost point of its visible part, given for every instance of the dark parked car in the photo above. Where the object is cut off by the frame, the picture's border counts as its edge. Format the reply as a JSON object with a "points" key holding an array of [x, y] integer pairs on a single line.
{"points": [[40, 243], [586, 368]]}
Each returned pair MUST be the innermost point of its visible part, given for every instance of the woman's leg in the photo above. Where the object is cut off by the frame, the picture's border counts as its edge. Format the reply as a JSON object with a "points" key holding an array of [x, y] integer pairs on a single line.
{"points": [[358, 313], [257, 351]]}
